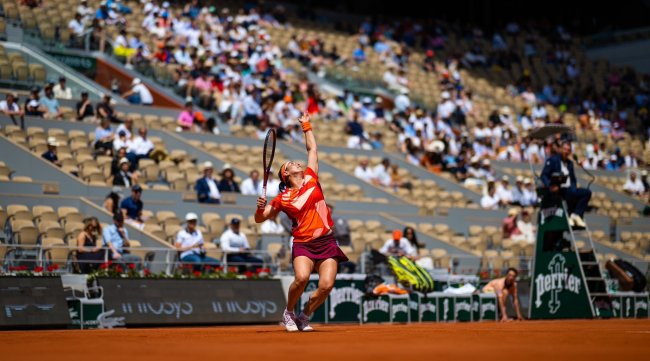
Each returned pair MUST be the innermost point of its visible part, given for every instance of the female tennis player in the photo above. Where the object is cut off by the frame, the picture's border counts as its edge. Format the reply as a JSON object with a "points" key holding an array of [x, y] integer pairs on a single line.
{"points": [[314, 246]]}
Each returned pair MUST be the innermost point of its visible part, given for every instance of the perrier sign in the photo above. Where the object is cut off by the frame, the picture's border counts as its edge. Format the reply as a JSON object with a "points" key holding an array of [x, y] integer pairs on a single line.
{"points": [[558, 289]]}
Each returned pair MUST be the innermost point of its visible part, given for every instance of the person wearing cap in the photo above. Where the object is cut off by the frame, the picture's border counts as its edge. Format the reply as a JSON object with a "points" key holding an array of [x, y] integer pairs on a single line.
{"points": [[207, 190], [236, 247], [50, 154], [138, 94], [526, 227], [504, 191], [10, 108], [112, 200], [577, 198], [189, 242], [33, 106], [398, 246], [131, 207], [509, 228], [402, 101], [446, 107], [84, 107], [123, 176], [116, 238]]}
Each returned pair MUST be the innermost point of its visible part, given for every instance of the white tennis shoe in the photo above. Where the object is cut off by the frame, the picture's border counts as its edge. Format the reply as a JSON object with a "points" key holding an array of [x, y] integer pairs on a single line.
{"points": [[303, 323], [288, 321]]}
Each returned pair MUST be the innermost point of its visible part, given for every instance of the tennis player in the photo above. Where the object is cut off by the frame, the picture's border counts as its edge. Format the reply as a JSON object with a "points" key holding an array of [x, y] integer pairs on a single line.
{"points": [[314, 246]]}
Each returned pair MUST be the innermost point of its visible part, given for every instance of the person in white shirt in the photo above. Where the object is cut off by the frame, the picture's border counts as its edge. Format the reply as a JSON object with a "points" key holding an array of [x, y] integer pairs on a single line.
{"points": [[272, 186], [139, 94], [363, 172], [10, 108], [140, 148], [236, 246], [127, 128], [402, 101], [491, 200], [61, 91], [272, 226], [504, 191], [189, 242], [76, 26], [529, 197], [380, 173], [121, 141], [634, 185], [398, 246], [539, 111], [85, 11], [446, 106], [252, 186], [526, 227], [207, 190], [182, 56]]}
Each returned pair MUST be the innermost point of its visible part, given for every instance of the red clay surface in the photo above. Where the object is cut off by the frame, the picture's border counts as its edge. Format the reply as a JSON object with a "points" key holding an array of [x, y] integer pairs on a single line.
{"points": [[531, 340]]}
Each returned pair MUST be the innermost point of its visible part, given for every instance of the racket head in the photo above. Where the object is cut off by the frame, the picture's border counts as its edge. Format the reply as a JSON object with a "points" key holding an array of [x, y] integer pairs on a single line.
{"points": [[267, 155]]}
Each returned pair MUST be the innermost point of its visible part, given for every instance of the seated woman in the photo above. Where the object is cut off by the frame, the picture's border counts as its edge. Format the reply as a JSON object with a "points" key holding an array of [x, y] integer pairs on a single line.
{"points": [[89, 253], [227, 183]]}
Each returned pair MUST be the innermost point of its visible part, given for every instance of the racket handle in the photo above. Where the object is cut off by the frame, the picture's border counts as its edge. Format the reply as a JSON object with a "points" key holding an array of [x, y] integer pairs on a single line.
{"points": [[264, 192]]}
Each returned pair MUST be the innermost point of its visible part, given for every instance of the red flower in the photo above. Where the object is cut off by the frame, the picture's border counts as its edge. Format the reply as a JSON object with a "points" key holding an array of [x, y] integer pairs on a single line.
{"points": [[55, 266], [248, 274], [110, 263], [147, 273], [258, 270], [208, 268], [118, 269], [50, 268], [232, 269], [131, 266], [197, 273], [104, 266], [266, 270], [12, 268], [38, 269], [218, 269], [22, 268]]}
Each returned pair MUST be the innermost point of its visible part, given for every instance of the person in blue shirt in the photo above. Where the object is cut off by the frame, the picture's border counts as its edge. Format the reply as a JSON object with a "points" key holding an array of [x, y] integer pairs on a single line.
{"points": [[577, 198], [50, 155], [359, 55], [116, 238], [51, 103], [132, 206]]}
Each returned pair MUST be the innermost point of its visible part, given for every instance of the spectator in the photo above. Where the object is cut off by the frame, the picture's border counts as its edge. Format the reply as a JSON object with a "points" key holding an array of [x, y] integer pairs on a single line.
{"points": [[132, 206], [122, 141], [526, 227], [10, 108], [272, 226], [228, 183], [50, 154], [504, 191], [380, 173], [61, 91], [398, 246], [252, 186], [363, 172], [491, 199], [104, 137], [106, 111], [207, 190], [139, 94], [509, 229], [359, 54], [411, 236], [272, 186], [33, 106], [397, 180], [116, 238], [123, 176], [235, 246], [84, 107], [634, 185], [529, 197], [503, 287], [141, 148], [76, 27], [121, 48], [51, 104], [560, 167], [189, 242], [89, 254], [186, 117], [112, 200], [85, 11], [518, 190]]}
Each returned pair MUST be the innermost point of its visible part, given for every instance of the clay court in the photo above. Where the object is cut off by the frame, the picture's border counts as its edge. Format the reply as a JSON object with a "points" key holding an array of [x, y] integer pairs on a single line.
{"points": [[532, 340]]}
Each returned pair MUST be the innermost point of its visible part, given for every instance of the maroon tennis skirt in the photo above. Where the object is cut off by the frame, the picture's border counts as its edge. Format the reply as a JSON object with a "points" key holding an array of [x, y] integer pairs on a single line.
{"points": [[320, 248]]}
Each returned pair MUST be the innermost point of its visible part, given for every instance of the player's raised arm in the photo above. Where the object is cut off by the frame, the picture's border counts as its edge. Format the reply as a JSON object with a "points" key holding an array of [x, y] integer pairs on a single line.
{"points": [[310, 142]]}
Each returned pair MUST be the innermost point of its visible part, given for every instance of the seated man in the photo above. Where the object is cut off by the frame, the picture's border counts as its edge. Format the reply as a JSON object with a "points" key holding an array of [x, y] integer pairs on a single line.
{"points": [[206, 188], [577, 198], [503, 287], [398, 246], [50, 154], [132, 206], [116, 237], [141, 148], [189, 241], [235, 245]]}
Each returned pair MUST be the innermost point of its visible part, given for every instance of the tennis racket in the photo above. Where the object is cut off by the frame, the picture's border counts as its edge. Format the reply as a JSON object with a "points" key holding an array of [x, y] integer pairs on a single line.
{"points": [[267, 157]]}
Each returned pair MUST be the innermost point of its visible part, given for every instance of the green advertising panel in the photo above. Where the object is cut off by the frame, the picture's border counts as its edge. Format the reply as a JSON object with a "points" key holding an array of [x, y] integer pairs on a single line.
{"points": [[558, 289], [399, 308], [446, 308], [86, 65], [485, 307], [428, 308], [343, 303], [463, 308], [376, 309], [86, 319], [641, 306]]}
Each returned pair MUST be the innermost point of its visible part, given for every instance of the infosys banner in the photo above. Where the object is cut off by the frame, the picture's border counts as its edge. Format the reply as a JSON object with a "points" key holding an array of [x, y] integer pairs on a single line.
{"points": [[558, 289], [143, 302]]}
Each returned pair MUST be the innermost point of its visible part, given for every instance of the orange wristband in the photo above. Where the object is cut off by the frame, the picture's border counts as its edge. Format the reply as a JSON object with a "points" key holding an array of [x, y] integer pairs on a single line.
{"points": [[306, 126]]}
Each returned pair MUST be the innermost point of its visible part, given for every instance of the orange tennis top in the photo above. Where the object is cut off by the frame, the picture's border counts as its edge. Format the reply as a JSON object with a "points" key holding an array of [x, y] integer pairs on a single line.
{"points": [[307, 208]]}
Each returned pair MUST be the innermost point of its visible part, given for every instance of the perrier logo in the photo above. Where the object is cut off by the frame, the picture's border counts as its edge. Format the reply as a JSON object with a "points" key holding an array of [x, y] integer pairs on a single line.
{"points": [[557, 280]]}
